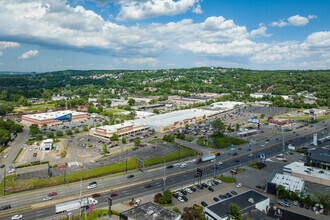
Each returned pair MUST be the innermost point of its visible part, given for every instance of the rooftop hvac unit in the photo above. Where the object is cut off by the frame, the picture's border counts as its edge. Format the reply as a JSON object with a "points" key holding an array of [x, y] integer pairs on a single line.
{"points": [[150, 212]]}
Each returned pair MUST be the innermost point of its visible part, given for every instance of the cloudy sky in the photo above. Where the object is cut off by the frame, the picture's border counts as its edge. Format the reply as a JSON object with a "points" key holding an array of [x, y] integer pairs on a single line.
{"points": [[49, 35]]}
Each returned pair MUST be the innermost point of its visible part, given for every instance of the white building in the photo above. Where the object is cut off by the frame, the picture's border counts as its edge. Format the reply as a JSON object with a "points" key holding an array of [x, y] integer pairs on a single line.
{"points": [[247, 201], [46, 145], [290, 183], [227, 105], [121, 130], [140, 114]]}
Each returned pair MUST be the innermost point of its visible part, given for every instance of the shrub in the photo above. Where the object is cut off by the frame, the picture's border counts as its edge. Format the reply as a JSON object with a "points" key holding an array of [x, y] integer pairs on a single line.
{"points": [[157, 197], [177, 210]]}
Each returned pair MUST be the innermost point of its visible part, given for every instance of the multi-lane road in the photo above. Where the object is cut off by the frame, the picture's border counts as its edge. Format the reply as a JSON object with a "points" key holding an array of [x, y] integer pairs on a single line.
{"points": [[134, 187]]}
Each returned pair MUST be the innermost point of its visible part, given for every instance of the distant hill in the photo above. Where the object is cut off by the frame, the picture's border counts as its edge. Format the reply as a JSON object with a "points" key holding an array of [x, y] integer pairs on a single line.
{"points": [[11, 72]]}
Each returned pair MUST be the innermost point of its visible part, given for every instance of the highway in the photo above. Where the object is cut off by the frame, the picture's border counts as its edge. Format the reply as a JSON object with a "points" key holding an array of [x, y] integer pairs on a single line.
{"points": [[134, 187]]}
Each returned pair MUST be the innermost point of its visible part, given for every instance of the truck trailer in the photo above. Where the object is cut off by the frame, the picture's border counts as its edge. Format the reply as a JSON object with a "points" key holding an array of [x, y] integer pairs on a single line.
{"points": [[205, 158], [74, 205]]}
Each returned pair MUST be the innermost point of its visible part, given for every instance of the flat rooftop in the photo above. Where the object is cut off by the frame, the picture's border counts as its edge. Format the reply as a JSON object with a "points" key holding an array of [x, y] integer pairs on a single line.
{"points": [[320, 154], [150, 211], [171, 117], [52, 115], [221, 208], [298, 167], [114, 128], [289, 182]]}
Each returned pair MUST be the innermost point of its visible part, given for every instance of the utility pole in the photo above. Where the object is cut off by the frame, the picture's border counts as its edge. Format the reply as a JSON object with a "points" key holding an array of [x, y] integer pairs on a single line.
{"points": [[110, 204], [214, 167], [4, 182], [283, 141], [164, 178], [80, 198]]}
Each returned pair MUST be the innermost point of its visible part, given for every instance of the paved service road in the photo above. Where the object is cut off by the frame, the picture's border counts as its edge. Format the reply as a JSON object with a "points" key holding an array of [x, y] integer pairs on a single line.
{"points": [[128, 188]]}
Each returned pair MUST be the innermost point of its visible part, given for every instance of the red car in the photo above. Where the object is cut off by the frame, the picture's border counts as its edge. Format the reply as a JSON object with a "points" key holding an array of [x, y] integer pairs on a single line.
{"points": [[96, 195], [196, 175], [113, 194], [52, 194]]}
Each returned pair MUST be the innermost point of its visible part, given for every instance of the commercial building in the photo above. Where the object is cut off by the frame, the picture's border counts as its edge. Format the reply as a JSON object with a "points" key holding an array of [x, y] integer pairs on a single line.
{"points": [[176, 119], [320, 157], [187, 101], [315, 175], [149, 211], [249, 132], [48, 117], [315, 112], [291, 183], [247, 201], [227, 105], [140, 114], [279, 121], [46, 145], [123, 129]]}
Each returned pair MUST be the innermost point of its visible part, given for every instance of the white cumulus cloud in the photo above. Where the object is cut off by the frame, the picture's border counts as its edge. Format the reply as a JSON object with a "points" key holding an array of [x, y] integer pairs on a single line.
{"points": [[7, 44], [28, 54], [137, 10], [295, 20], [260, 32]]}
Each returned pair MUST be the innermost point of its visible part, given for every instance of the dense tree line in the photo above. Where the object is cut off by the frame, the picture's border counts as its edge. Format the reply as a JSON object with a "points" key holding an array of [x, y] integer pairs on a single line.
{"points": [[240, 83]]}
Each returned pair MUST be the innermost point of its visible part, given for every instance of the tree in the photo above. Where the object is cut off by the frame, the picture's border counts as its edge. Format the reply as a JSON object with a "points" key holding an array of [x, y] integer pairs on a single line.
{"points": [[123, 139], [85, 128], [235, 212], [181, 136], [39, 137], [5, 108], [187, 126], [218, 127], [153, 130], [44, 126], [68, 131], [59, 133], [156, 111], [76, 130], [16, 128], [237, 127], [50, 134], [132, 114], [166, 197], [131, 101], [280, 191], [47, 94], [109, 102], [228, 129], [262, 115], [137, 142], [34, 130], [114, 137], [4, 136]]}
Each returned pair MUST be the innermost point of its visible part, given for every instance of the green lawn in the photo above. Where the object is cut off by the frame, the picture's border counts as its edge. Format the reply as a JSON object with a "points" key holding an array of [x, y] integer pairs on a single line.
{"points": [[221, 142], [226, 179], [189, 139], [23, 185], [183, 152], [113, 111], [96, 214]]}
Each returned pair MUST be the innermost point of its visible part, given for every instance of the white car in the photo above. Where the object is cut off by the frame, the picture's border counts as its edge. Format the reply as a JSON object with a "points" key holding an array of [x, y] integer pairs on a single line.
{"points": [[209, 184], [262, 145], [220, 163], [233, 149], [193, 161], [180, 199], [16, 217], [212, 161], [180, 194], [239, 185], [11, 171], [219, 181], [91, 186], [5, 156], [189, 191], [137, 202], [183, 165], [47, 198]]}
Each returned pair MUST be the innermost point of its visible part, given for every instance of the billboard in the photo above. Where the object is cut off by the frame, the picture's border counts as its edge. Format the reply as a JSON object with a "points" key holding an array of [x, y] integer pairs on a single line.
{"points": [[253, 120]]}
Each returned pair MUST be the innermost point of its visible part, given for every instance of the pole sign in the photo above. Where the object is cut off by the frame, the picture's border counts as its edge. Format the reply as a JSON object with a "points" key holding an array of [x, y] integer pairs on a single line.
{"points": [[253, 120], [315, 139], [199, 172]]}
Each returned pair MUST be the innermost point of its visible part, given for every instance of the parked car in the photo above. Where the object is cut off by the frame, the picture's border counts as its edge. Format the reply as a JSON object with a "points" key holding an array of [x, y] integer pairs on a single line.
{"points": [[137, 202], [189, 191], [222, 196], [185, 198], [203, 203], [184, 192], [180, 199], [228, 195], [216, 199], [239, 185], [234, 193], [175, 195], [196, 206], [295, 202], [260, 187], [193, 189], [284, 202], [210, 188]]}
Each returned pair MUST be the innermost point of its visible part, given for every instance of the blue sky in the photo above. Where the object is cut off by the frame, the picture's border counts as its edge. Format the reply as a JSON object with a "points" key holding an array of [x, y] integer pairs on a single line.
{"points": [[50, 35]]}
